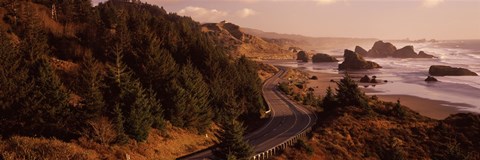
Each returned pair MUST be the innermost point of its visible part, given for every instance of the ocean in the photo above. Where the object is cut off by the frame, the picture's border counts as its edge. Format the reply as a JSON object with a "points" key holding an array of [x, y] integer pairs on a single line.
{"points": [[406, 76]]}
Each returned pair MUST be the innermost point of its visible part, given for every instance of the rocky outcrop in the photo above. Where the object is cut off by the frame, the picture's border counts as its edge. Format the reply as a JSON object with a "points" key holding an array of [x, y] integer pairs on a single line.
{"points": [[237, 43], [431, 79], [382, 50], [441, 70], [365, 79], [322, 57], [302, 56], [354, 61], [361, 51], [374, 79], [422, 54], [405, 52]]}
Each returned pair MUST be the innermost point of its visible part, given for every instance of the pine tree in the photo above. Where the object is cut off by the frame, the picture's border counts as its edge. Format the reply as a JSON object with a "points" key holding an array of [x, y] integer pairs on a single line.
{"points": [[46, 106], [118, 121], [310, 98], [133, 106], [249, 88], [191, 107], [222, 92], [137, 105], [231, 142], [82, 10], [90, 84], [348, 93], [329, 102], [117, 72], [14, 84], [159, 70], [156, 110], [45, 109], [33, 45], [39, 105]]}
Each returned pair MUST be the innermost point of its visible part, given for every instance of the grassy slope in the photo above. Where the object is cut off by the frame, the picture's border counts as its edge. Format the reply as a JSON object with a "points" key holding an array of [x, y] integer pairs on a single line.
{"points": [[178, 142]]}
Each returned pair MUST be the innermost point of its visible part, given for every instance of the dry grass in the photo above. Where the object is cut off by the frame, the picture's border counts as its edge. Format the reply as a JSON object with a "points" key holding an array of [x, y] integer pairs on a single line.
{"points": [[18, 148], [177, 143], [159, 146]]}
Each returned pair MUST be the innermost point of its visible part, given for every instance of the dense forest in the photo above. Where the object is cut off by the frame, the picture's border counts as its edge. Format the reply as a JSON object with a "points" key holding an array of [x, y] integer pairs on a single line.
{"points": [[131, 64]]}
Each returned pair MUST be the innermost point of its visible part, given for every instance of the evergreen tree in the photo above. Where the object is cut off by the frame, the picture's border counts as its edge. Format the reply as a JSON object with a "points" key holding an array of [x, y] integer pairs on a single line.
{"points": [[329, 102], [89, 89], [348, 93], [398, 110], [231, 143], [39, 105], [118, 121], [137, 108], [191, 105], [249, 88], [83, 10], [159, 69], [156, 110], [310, 98], [14, 84], [33, 45], [46, 106], [222, 92], [134, 104], [117, 74]]}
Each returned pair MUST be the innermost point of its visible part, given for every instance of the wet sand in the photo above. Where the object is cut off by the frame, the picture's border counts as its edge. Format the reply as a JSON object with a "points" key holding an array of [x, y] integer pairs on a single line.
{"points": [[430, 108], [427, 107]]}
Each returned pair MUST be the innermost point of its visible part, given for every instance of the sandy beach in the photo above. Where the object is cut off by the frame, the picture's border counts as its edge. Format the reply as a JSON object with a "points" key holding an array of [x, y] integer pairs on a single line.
{"points": [[430, 108]]}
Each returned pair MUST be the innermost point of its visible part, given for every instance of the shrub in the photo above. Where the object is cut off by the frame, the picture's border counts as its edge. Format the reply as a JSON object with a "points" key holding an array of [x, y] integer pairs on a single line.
{"points": [[298, 97], [398, 110], [348, 93], [328, 102], [302, 145], [101, 131], [284, 88]]}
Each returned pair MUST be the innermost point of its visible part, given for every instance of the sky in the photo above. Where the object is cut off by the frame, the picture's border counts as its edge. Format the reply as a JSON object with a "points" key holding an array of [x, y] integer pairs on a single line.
{"points": [[382, 19]]}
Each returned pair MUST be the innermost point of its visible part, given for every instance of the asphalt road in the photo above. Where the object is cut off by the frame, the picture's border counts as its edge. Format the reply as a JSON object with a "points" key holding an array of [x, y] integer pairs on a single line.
{"points": [[287, 119]]}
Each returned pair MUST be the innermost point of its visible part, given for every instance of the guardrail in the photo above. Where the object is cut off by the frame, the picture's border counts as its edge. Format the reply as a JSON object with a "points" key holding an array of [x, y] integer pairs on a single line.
{"points": [[282, 146], [275, 150]]}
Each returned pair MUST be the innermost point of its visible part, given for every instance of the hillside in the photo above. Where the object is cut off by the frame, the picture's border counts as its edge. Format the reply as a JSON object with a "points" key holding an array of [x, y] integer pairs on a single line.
{"points": [[308, 43], [355, 126], [116, 80], [237, 42]]}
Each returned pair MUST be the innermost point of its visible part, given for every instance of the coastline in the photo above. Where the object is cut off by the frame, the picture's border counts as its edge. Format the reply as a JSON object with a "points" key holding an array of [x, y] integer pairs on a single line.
{"points": [[430, 108]]}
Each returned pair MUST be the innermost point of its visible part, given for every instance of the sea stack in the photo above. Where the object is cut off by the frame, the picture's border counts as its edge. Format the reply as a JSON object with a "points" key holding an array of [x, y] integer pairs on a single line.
{"points": [[361, 51], [441, 70], [322, 57], [431, 79], [405, 52], [381, 49], [385, 49], [354, 61], [365, 79], [422, 54], [302, 56]]}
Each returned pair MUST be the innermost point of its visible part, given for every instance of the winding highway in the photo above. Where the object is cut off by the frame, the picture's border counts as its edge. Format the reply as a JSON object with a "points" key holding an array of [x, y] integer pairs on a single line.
{"points": [[287, 120]]}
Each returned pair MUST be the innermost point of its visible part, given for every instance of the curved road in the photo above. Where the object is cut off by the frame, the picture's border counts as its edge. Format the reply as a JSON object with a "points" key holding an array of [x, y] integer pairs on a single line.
{"points": [[287, 120]]}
